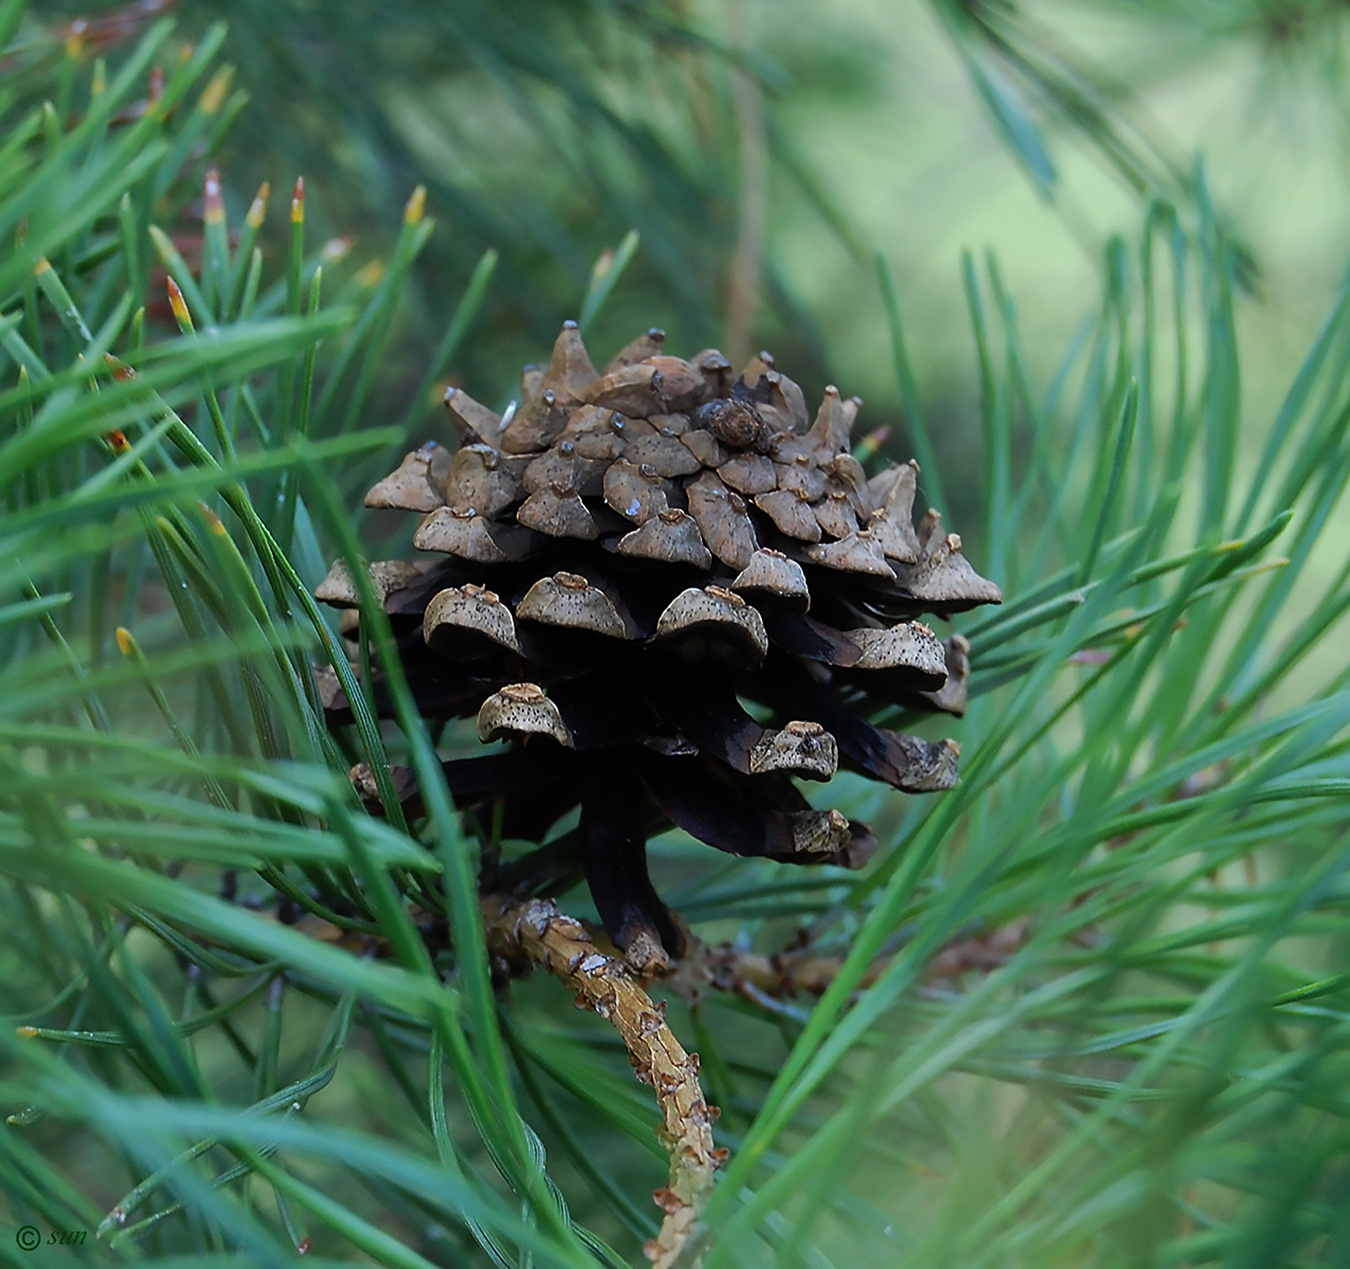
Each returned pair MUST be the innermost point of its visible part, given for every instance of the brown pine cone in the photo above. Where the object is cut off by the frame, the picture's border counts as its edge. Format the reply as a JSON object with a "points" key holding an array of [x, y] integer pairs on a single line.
{"points": [[670, 592]]}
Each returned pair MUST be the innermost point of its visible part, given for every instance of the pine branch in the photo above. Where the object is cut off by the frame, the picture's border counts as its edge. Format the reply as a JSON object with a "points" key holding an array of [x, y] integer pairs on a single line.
{"points": [[537, 930]]}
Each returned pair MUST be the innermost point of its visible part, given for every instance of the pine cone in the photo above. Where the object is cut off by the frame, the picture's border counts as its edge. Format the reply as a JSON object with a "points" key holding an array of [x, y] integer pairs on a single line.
{"points": [[670, 592]]}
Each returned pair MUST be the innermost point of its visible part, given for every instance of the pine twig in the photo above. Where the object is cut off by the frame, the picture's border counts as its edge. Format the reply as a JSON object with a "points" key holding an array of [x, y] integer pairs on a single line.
{"points": [[538, 930], [807, 971]]}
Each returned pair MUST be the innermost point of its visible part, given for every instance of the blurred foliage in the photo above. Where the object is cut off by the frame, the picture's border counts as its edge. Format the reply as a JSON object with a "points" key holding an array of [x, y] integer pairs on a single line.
{"points": [[1087, 1009], [743, 136], [546, 131]]}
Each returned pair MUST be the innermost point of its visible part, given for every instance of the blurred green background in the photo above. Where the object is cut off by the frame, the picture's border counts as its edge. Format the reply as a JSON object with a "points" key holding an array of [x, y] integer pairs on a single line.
{"points": [[549, 131]]}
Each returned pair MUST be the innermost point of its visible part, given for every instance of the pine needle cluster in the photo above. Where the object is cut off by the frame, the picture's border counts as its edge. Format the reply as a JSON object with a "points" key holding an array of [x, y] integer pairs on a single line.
{"points": [[1086, 1006]]}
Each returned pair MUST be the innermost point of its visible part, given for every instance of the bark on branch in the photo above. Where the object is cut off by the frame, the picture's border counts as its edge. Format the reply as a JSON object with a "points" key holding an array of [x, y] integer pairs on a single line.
{"points": [[536, 929]]}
